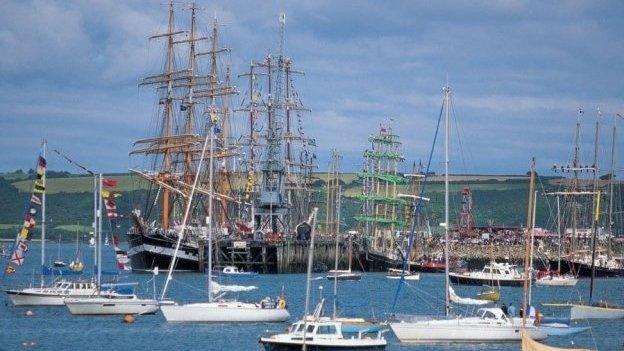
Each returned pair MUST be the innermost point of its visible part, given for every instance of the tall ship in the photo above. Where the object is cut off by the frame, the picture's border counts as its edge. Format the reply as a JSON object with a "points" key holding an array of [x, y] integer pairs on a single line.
{"points": [[261, 161], [384, 211], [575, 201]]}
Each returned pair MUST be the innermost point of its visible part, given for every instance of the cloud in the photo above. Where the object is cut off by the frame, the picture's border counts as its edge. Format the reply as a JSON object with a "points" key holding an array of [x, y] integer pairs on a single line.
{"points": [[519, 70]]}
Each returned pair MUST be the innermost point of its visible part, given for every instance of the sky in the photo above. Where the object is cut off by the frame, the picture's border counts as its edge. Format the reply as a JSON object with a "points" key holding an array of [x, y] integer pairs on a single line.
{"points": [[519, 71]]}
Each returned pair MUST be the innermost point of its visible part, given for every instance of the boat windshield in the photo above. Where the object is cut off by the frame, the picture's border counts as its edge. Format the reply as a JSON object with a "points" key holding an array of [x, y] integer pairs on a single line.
{"points": [[326, 329]]}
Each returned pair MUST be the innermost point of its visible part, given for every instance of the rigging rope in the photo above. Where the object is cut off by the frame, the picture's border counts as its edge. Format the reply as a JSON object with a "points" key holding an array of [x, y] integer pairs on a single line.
{"points": [[416, 212]]}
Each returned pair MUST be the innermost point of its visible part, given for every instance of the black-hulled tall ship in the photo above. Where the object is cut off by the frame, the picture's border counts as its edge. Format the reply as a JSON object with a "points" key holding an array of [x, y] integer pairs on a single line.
{"points": [[574, 204], [261, 169]]}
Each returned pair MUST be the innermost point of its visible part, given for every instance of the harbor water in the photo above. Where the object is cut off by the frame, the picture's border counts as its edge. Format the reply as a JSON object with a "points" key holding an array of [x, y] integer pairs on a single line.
{"points": [[54, 328]]}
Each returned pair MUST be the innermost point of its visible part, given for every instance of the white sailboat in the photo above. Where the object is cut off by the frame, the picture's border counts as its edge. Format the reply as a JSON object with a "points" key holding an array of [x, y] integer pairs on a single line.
{"points": [[216, 309], [489, 325], [316, 332], [54, 293], [102, 302]]}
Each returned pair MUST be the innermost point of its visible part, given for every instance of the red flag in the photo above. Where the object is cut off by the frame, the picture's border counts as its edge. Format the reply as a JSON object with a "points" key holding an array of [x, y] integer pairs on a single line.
{"points": [[111, 183]]}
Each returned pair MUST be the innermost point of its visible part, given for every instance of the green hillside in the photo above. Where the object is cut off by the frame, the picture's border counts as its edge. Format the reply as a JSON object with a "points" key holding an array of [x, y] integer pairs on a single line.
{"points": [[500, 200]]}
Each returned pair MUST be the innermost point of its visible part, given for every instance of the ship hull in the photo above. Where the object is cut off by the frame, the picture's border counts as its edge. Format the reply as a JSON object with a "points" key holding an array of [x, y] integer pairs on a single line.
{"points": [[469, 280], [584, 270], [147, 252]]}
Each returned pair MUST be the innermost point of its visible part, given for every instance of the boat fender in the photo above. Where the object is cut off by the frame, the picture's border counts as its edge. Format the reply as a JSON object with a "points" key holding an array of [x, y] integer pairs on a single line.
{"points": [[281, 303]]}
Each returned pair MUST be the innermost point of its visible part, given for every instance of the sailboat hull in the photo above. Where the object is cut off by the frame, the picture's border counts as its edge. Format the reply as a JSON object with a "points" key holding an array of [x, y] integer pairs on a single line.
{"points": [[25, 299], [595, 312], [442, 331], [105, 306], [215, 312], [458, 278]]}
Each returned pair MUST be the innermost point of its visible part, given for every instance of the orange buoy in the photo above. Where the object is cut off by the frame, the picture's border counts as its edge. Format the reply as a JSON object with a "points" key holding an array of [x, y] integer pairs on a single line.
{"points": [[128, 318]]}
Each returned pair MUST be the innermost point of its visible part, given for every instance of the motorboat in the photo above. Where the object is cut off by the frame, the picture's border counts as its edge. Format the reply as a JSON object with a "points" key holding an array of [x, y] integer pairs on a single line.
{"points": [[323, 333], [394, 273], [51, 295], [504, 274], [343, 274], [234, 271]]}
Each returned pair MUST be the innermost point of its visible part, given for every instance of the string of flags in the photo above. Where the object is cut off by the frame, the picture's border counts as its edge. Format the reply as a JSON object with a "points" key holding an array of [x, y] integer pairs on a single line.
{"points": [[25, 233], [109, 196]]}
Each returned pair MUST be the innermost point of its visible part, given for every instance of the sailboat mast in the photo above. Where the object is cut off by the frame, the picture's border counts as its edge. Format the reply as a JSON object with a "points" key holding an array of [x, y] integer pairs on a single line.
{"points": [[210, 210], [527, 242], [447, 127], [312, 221], [593, 258], [560, 237], [95, 218], [576, 168], [43, 218], [530, 270], [99, 233], [611, 181], [167, 128]]}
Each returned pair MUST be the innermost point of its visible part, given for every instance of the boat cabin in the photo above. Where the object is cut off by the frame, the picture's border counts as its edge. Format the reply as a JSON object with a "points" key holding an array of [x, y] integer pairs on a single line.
{"points": [[317, 329], [493, 315]]}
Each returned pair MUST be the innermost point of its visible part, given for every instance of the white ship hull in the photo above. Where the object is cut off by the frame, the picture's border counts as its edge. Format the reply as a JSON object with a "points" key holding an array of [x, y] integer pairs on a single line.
{"points": [[105, 306], [556, 281], [460, 330], [36, 300], [595, 312], [214, 312], [414, 276]]}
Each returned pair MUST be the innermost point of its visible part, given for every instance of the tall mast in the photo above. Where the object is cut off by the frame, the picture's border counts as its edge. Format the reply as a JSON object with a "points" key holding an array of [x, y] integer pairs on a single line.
{"points": [[560, 236], [575, 182], [530, 270], [99, 234], [593, 256], [167, 116], [190, 108], [43, 217], [447, 132], [210, 202], [527, 243], [611, 182]]}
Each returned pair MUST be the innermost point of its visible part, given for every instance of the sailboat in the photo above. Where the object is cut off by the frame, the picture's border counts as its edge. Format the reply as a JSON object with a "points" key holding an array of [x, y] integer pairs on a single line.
{"points": [[110, 301], [52, 294], [76, 264], [316, 332], [528, 342], [217, 308], [489, 324], [58, 262], [344, 274], [601, 309]]}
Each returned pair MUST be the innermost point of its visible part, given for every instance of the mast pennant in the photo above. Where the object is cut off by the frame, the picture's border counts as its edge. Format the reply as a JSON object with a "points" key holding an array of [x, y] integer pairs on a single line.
{"points": [[34, 204]]}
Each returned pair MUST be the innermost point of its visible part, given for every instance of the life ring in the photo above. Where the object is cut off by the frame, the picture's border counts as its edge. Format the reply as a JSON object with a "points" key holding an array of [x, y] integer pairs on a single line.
{"points": [[281, 303]]}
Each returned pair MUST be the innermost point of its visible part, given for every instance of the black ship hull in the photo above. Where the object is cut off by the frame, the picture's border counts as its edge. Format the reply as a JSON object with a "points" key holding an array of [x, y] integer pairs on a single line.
{"points": [[584, 270], [148, 252], [467, 280]]}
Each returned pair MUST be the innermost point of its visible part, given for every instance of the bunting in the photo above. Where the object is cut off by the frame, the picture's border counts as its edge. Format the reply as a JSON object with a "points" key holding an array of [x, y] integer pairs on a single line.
{"points": [[25, 233]]}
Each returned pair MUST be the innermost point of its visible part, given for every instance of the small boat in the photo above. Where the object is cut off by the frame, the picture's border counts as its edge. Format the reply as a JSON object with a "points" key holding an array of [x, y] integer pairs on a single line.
{"points": [[59, 264], [600, 310], [76, 266], [234, 271], [553, 278], [343, 274], [323, 333], [394, 273], [503, 273], [489, 293]]}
